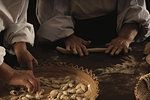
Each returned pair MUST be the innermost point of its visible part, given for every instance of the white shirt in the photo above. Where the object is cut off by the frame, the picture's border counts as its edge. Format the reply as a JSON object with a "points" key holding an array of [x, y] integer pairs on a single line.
{"points": [[13, 19], [56, 21]]}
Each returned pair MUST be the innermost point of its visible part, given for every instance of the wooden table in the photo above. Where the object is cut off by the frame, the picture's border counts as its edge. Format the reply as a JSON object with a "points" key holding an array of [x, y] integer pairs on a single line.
{"points": [[114, 83]]}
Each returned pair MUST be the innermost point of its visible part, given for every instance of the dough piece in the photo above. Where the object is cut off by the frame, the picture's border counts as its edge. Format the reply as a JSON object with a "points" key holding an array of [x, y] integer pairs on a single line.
{"points": [[147, 48], [15, 98], [53, 94], [148, 58], [14, 92]]}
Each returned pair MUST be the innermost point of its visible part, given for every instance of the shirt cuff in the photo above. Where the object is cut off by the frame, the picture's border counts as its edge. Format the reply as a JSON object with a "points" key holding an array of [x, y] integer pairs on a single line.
{"points": [[2, 54]]}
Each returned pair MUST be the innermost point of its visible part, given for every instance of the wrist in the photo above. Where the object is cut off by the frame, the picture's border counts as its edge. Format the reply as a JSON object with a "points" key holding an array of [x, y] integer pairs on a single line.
{"points": [[6, 72], [19, 46], [129, 32]]}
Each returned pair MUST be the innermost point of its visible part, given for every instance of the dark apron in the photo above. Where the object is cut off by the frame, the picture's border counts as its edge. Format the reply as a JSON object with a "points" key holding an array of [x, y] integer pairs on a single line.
{"points": [[99, 30]]}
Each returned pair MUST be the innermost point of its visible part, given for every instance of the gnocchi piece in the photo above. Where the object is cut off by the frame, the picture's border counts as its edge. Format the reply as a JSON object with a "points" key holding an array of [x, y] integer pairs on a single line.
{"points": [[55, 81], [59, 94], [41, 92], [55, 86], [39, 97], [65, 87], [14, 92], [72, 81], [48, 85], [73, 96], [22, 95], [54, 93], [79, 91], [67, 77], [30, 96], [15, 98], [22, 90], [72, 91], [85, 98], [24, 98], [71, 85], [65, 93], [66, 98], [62, 96], [78, 98], [84, 87], [79, 85]]}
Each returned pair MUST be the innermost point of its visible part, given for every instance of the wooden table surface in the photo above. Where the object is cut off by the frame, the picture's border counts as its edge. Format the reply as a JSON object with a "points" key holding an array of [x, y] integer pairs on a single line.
{"points": [[115, 83]]}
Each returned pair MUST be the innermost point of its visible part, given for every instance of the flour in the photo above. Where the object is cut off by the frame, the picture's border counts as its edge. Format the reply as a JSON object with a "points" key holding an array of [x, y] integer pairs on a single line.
{"points": [[126, 67]]}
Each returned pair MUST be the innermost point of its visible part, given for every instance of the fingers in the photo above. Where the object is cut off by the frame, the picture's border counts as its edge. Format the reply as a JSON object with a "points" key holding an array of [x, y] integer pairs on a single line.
{"points": [[109, 49], [68, 47], [125, 49], [74, 49], [35, 84], [113, 51], [79, 51], [28, 85], [118, 51], [32, 84], [77, 45], [84, 49]]}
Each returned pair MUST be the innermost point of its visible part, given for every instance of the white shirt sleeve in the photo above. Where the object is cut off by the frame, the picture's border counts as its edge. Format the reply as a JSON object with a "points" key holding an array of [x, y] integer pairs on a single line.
{"points": [[134, 11], [13, 15], [2, 54], [54, 18]]}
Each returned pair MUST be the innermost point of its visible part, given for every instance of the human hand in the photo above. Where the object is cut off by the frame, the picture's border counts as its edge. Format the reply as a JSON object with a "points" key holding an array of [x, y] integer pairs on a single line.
{"points": [[77, 45], [19, 77], [25, 78], [117, 45], [125, 37], [24, 57]]}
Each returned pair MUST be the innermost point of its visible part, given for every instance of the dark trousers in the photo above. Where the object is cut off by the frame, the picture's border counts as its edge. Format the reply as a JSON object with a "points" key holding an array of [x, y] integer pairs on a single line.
{"points": [[99, 30]]}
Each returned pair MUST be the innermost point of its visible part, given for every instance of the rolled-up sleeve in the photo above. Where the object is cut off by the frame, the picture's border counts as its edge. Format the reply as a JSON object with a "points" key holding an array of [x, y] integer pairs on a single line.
{"points": [[19, 30], [2, 54], [134, 11], [54, 18]]}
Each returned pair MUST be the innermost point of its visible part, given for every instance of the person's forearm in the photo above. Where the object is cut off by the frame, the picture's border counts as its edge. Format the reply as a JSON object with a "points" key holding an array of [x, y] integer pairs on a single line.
{"points": [[19, 46], [6, 72], [129, 31]]}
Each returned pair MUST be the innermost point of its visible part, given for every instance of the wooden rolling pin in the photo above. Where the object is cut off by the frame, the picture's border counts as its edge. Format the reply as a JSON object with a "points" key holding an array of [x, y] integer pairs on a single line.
{"points": [[64, 51]]}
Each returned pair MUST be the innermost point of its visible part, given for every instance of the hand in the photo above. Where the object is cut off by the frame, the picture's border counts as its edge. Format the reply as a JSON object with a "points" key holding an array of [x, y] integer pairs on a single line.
{"points": [[117, 45], [24, 57], [19, 77], [25, 78], [122, 42], [77, 45]]}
